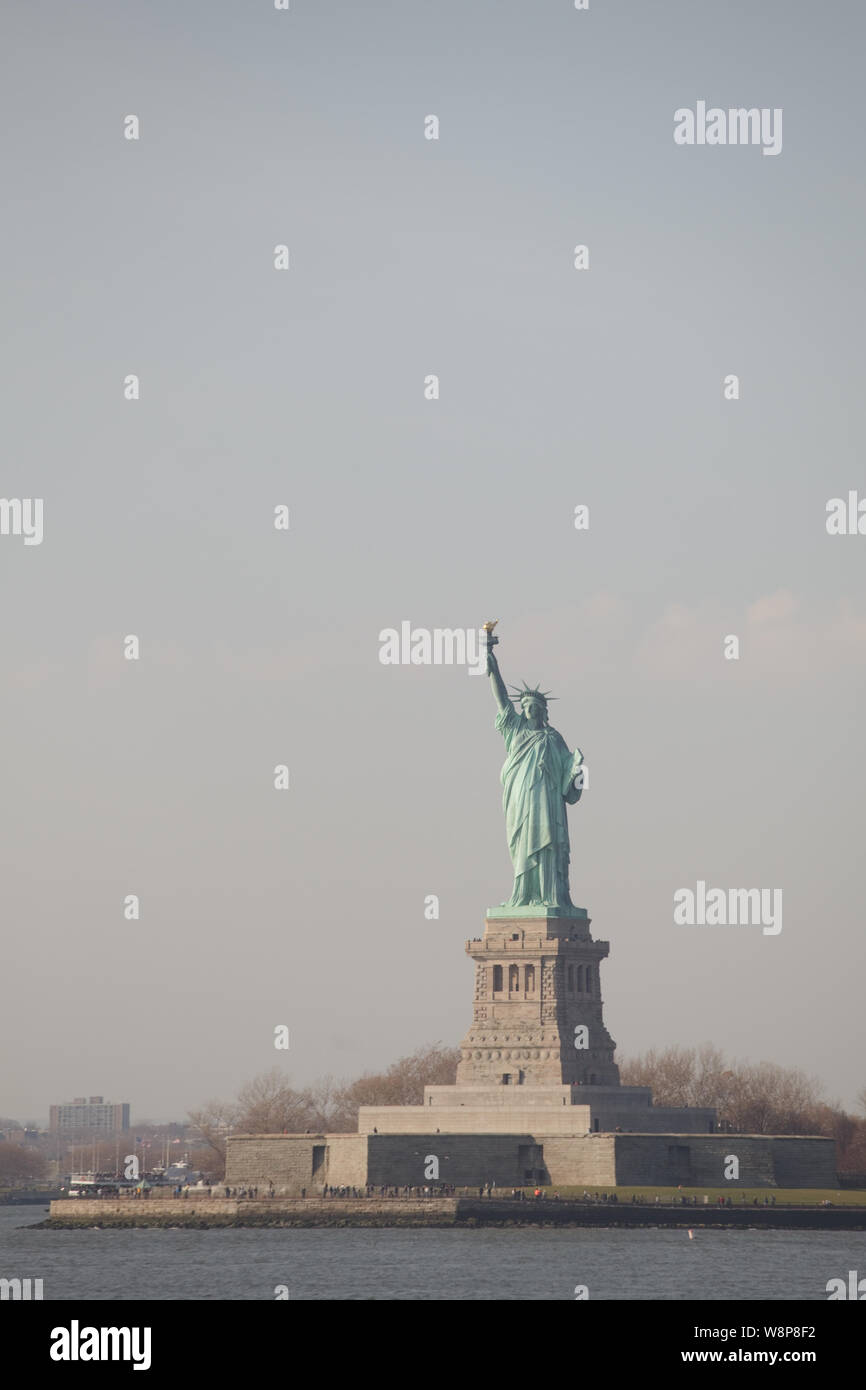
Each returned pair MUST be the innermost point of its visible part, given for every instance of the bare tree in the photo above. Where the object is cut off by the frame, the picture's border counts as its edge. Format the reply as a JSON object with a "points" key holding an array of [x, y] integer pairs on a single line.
{"points": [[269, 1104], [670, 1074], [329, 1110], [403, 1082], [19, 1163], [211, 1124], [753, 1098]]}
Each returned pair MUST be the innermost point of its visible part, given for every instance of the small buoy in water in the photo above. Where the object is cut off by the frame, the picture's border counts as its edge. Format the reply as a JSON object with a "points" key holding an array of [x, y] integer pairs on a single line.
{"points": [[691, 1235]]}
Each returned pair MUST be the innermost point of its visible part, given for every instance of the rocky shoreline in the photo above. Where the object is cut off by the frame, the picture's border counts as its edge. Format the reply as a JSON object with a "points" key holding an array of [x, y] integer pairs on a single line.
{"points": [[456, 1212]]}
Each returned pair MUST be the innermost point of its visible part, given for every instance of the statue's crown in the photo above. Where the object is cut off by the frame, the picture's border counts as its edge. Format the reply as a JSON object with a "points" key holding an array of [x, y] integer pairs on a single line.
{"points": [[526, 690]]}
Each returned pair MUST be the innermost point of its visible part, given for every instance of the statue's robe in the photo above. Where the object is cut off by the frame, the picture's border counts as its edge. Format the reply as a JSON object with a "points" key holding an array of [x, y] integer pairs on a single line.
{"points": [[538, 781]]}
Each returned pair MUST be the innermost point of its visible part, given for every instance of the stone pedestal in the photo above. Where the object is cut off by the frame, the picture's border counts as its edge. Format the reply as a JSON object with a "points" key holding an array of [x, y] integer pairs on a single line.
{"points": [[537, 1016], [529, 1106]]}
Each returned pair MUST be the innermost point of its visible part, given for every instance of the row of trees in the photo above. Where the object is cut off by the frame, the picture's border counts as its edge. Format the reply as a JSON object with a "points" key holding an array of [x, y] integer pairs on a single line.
{"points": [[750, 1098], [270, 1104]]}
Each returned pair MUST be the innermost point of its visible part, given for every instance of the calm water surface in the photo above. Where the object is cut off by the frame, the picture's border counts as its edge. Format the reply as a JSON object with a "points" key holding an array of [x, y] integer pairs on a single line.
{"points": [[428, 1265]]}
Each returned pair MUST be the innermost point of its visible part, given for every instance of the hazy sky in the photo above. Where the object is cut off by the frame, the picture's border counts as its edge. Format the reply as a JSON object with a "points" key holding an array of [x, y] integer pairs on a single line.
{"points": [[306, 387]]}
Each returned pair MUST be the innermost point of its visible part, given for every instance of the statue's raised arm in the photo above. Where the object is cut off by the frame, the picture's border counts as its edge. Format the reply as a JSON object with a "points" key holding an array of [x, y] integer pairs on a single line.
{"points": [[499, 690]]}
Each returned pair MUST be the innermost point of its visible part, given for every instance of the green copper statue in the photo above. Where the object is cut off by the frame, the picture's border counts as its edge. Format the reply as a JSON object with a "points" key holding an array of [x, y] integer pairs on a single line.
{"points": [[538, 780]]}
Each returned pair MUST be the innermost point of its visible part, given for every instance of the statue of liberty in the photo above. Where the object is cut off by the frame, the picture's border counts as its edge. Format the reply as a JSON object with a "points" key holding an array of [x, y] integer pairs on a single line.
{"points": [[538, 781]]}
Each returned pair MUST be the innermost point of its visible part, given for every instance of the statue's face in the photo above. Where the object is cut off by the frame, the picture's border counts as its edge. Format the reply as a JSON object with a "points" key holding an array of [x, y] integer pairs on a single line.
{"points": [[533, 710]]}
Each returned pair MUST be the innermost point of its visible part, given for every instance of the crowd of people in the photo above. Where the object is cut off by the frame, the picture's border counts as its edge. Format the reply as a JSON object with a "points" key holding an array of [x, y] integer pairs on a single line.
{"points": [[442, 1189], [485, 1190]]}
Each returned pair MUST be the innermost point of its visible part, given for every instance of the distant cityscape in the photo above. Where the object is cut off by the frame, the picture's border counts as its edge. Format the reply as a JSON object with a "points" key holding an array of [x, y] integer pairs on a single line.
{"points": [[90, 1134]]}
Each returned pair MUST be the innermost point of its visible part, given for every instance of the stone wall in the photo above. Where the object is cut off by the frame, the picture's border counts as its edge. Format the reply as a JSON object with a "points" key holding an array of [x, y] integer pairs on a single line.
{"points": [[313, 1211], [554, 1157], [499, 1097], [444, 1212], [522, 1119], [418, 1119], [286, 1160], [649, 1160], [464, 1160], [667, 1160], [804, 1161], [580, 1160], [347, 1161], [293, 1162], [662, 1119]]}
